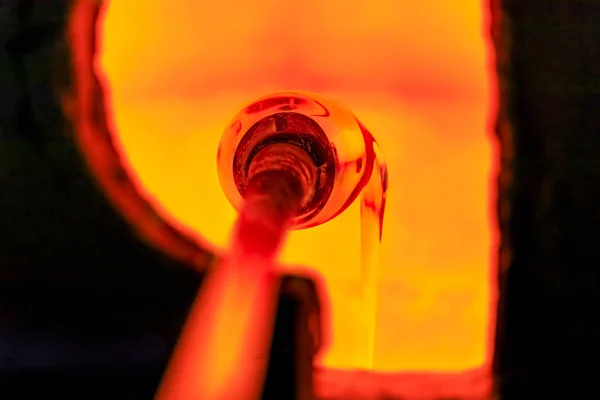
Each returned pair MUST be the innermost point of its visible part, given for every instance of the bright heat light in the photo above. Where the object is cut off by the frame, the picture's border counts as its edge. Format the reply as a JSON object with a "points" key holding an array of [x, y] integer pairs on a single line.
{"points": [[414, 72]]}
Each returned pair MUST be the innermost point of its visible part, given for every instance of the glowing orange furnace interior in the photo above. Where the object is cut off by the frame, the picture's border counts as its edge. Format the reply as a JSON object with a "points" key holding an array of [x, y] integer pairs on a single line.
{"points": [[415, 73]]}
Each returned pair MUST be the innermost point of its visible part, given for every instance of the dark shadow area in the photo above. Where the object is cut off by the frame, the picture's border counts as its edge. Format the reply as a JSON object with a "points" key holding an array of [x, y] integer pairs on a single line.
{"points": [[81, 297], [549, 125]]}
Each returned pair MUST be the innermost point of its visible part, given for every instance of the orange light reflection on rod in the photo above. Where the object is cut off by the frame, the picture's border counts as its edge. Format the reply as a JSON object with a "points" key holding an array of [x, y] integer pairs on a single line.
{"points": [[224, 348]]}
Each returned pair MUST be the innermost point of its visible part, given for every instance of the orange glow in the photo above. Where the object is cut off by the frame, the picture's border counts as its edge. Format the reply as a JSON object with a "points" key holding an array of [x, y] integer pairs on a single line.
{"points": [[211, 363], [414, 72]]}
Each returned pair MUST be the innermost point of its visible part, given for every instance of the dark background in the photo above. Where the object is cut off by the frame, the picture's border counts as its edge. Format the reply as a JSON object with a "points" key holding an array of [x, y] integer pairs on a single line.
{"points": [[548, 59], [78, 290]]}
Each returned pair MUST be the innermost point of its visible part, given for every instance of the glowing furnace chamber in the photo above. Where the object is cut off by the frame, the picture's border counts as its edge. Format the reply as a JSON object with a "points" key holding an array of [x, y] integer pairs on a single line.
{"points": [[415, 73]]}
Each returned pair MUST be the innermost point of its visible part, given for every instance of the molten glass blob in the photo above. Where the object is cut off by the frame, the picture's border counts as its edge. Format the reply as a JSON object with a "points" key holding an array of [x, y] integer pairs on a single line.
{"points": [[341, 160], [327, 131]]}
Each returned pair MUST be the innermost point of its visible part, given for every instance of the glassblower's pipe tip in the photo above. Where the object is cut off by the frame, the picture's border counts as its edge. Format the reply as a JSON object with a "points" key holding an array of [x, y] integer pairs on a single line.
{"points": [[281, 180]]}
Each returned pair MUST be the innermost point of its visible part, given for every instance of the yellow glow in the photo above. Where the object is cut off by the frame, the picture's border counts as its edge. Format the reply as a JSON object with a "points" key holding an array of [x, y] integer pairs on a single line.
{"points": [[414, 72]]}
